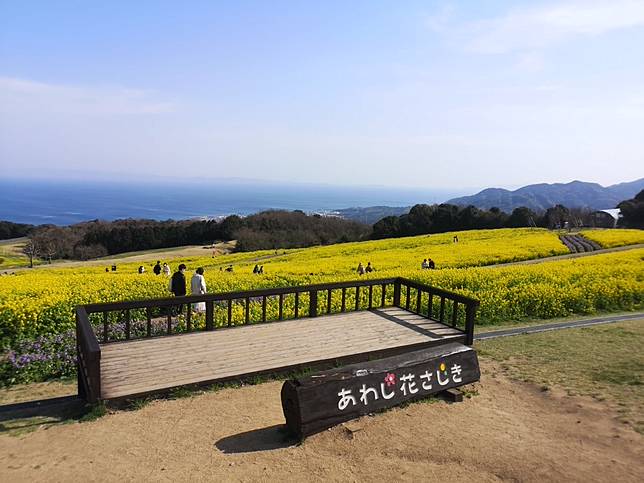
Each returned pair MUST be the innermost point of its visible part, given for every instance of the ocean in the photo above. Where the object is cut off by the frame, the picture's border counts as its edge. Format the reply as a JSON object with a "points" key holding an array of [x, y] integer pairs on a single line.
{"points": [[69, 202]]}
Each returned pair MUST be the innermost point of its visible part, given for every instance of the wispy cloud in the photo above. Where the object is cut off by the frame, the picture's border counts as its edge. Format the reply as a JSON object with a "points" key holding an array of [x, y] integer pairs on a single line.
{"points": [[30, 95], [538, 27]]}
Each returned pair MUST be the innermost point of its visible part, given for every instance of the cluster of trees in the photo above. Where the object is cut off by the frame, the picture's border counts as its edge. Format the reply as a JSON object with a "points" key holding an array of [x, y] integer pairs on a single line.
{"points": [[423, 219], [633, 211], [267, 230], [14, 230], [281, 229]]}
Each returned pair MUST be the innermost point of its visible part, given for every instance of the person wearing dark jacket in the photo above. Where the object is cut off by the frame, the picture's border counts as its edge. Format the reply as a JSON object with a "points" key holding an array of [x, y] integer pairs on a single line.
{"points": [[178, 282], [157, 268], [178, 285]]}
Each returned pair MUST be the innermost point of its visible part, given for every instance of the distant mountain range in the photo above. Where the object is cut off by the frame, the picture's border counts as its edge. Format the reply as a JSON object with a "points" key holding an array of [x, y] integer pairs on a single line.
{"points": [[538, 197], [576, 194]]}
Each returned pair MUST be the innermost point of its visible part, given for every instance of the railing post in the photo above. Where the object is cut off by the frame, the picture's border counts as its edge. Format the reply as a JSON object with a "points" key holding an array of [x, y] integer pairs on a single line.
{"points": [[313, 303], [470, 315], [397, 293], [82, 393], [210, 315]]}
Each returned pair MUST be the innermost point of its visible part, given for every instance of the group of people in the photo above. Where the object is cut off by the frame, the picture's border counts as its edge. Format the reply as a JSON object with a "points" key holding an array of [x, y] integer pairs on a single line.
{"points": [[177, 286], [158, 269], [428, 264], [362, 269], [258, 270]]}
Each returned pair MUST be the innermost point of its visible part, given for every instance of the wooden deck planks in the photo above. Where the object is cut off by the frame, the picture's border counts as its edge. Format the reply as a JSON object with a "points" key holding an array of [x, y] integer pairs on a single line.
{"points": [[146, 365]]}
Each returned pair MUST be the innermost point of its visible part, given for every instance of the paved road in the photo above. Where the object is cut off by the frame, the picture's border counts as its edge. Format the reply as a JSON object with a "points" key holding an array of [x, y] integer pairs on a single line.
{"points": [[558, 325]]}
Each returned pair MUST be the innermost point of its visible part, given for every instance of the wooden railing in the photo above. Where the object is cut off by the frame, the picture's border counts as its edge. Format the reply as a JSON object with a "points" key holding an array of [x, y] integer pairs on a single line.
{"points": [[123, 321], [88, 353]]}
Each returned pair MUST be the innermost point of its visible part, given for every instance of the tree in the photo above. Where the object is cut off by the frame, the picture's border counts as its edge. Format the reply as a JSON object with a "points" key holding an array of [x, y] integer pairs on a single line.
{"points": [[521, 216], [556, 216], [31, 250], [633, 211], [388, 227]]}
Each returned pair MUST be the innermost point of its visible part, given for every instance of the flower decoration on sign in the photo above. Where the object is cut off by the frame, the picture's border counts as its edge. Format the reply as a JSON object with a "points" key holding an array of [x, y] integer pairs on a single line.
{"points": [[390, 379], [442, 366]]}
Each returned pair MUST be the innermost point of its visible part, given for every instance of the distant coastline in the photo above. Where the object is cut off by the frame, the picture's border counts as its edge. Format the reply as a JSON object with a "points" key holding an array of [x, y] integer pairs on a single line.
{"points": [[66, 203]]}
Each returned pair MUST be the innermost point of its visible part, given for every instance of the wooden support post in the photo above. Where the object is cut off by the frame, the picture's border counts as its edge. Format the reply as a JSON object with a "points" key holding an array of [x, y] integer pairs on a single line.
{"points": [[127, 324], [419, 295], [429, 304], [264, 308], [210, 315], [397, 293], [407, 298], [313, 303], [169, 324], [328, 301], [319, 401], [442, 312], [470, 315], [344, 299], [281, 307], [148, 327], [454, 313], [358, 297], [105, 327], [383, 294], [452, 395], [247, 311], [370, 296], [189, 318], [297, 304], [230, 312]]}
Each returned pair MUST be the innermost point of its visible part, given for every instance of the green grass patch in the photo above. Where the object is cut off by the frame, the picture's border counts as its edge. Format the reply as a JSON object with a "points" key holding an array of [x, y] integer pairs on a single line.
{"points": [[605, 362]]}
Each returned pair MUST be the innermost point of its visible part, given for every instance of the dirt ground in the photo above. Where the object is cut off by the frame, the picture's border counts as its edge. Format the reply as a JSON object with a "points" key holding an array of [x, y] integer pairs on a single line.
{"points": [[506, 431]]}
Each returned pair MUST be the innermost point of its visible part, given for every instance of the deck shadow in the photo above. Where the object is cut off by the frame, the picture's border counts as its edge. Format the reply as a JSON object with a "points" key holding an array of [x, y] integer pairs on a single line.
{"points": [[19, 418], [264, 439]]}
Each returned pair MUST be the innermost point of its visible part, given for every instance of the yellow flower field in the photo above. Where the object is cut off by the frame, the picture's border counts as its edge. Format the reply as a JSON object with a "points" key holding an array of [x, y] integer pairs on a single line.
{"points": [[609, 238], [41, 301]]}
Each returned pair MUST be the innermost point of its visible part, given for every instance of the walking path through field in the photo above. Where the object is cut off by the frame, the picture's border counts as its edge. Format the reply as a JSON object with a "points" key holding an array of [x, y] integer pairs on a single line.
{"points": [[569, 324], [568, 256]]}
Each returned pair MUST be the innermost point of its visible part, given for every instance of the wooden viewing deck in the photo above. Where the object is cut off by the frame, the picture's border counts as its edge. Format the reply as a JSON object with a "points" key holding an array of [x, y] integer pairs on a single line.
{"points": [[141, 352]]}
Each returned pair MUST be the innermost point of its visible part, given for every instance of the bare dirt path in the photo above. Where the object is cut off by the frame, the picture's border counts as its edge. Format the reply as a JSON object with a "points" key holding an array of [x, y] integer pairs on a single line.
{"points": [[568, 256], [509, 431]]}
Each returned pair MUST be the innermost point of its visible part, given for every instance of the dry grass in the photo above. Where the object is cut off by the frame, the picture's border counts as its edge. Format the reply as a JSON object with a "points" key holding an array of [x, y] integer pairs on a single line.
{"points": [[604, 362]]}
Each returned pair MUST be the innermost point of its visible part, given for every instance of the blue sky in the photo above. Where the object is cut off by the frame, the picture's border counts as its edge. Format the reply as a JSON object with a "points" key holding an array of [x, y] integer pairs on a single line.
{"points": [[434, 94]]}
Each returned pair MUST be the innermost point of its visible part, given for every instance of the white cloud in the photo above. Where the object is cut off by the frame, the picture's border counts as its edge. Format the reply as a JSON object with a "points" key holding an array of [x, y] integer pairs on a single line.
{"points": [[539, 27], [22, 95]]}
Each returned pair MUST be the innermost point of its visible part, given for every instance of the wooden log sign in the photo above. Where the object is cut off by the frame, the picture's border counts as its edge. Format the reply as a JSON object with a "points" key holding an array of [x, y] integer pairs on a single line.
{"points": [[319, 401]]}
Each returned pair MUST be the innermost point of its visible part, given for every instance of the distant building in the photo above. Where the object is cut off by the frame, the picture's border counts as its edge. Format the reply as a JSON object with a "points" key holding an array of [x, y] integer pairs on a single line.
{"points": [[607, 218]]}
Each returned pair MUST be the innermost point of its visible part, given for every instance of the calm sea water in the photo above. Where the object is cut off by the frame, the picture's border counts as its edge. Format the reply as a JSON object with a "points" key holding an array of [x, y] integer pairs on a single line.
{"points": [[64, 203]]}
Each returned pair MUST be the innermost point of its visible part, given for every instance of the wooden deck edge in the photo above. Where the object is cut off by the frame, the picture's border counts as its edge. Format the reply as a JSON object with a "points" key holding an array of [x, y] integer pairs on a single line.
{"points": [[284, 371]]}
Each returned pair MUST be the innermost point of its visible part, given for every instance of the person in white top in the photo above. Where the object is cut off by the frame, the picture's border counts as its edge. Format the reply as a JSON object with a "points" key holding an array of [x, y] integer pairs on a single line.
{"points": [[198, 287], [166, 269]]}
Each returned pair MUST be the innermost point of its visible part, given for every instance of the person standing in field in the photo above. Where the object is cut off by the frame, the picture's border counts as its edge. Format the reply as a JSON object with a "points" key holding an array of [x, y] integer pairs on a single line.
{"points": [[157, 268], [198, 287], [360, 269], [178, 285], [166, 269]]}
